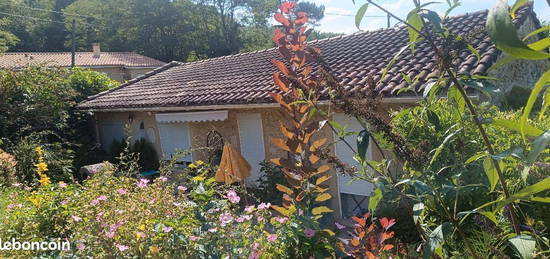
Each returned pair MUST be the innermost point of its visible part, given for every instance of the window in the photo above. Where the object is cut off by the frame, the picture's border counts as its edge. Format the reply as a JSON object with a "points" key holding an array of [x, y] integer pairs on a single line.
{"points": [[174, 137], [109, 132]]}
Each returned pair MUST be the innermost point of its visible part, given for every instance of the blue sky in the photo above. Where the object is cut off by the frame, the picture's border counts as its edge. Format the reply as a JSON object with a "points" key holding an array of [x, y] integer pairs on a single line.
{"points": [[339, 14]]}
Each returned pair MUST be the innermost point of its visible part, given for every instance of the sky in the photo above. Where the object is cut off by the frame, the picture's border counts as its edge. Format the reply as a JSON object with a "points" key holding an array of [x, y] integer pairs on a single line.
{"points": [[340, 14]]}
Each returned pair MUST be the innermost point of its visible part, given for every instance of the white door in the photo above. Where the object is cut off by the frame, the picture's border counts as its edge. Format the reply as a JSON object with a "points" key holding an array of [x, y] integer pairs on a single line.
{"points": [[175, 136], [353, 194], [252, 143]]}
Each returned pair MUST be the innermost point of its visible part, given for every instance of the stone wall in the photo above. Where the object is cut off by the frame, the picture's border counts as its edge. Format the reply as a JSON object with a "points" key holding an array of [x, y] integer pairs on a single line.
{"points": [[519, 73]]}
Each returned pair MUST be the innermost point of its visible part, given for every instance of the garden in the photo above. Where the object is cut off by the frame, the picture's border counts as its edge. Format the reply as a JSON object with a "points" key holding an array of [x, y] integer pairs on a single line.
{"points": [[459, 177]]}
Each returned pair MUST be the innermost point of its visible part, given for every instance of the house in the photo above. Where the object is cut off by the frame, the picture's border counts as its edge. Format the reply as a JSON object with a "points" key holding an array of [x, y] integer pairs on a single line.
{"points": [[197, 104], [120, 66]]}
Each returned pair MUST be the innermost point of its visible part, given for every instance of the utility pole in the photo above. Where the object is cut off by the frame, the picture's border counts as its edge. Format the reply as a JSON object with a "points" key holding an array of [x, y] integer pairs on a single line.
{"points": [[389, 20], [73, 49]]}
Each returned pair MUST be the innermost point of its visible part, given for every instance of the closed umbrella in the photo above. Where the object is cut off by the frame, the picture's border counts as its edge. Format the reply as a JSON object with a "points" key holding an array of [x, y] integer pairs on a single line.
{"points": [[233, 166]]}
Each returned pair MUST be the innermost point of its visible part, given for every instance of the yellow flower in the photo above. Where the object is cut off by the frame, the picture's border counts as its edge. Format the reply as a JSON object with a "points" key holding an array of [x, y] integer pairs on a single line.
{"points": [[199, 162], [35, 201], [198, 178], [141, 227], [44, 180], [39, 150], [192, 166], [41, 167]]}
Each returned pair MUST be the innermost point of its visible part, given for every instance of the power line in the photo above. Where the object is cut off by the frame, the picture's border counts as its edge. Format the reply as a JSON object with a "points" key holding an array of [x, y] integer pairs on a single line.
{"points": [[47, 20], [52, 11]]}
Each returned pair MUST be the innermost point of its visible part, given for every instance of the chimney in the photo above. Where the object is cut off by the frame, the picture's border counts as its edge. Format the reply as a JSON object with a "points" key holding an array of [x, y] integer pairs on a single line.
{"points": [[96, 49]]}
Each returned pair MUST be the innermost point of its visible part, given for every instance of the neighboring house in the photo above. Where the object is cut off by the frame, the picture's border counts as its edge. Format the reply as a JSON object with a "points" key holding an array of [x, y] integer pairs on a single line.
{"points": [[120, 66], [190, 105]]}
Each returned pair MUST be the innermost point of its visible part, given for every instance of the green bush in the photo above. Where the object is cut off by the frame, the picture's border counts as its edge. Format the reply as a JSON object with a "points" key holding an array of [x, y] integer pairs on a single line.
{"points": [[37, 107]]}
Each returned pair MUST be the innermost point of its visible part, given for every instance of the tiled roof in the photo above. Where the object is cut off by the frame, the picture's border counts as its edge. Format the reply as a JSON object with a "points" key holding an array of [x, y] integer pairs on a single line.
{"points": [[247, 78], [83, 59]]}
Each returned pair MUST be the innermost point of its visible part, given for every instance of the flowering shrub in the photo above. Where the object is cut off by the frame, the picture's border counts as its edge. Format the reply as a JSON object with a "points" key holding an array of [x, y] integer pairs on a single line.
{"points": [[109, 216]]}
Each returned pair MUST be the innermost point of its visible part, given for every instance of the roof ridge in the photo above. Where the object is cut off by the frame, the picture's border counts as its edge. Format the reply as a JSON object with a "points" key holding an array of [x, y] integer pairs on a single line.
{"points": [[361, 32], [137, 79]]}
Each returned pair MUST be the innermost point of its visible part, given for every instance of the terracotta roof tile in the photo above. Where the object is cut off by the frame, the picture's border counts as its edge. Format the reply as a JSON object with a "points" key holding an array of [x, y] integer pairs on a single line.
{"points": [[246, 78], [83, 59]]}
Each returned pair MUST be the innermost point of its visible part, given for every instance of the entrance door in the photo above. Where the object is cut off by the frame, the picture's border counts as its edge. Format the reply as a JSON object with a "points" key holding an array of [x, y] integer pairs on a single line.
{"points": [[353, 194], [252, 143]]}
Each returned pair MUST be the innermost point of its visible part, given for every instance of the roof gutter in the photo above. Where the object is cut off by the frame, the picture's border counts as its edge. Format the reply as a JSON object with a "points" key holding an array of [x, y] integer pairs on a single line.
{"points": [[395, 100]]}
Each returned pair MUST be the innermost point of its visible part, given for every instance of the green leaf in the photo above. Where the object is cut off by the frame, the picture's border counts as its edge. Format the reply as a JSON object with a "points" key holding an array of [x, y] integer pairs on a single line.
{"points": [[503, 33], [415, 21], [541, 199], [545, 103], [515, 126], [491, 172], [375, 197], [490, 216], [360, 14], [439, 149], [524, 245], [363, 139], [418, 208], [543, 81], [476, 157], [455, 95], [535, 32], [542, 185], [434, 119], [393, 60], [516, 152], [541, 44], [436, 239], [539, 145]]}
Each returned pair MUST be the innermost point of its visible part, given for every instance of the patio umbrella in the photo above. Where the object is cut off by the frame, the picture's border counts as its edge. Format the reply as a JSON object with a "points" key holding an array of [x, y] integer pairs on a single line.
{"points": [[233, 166]]}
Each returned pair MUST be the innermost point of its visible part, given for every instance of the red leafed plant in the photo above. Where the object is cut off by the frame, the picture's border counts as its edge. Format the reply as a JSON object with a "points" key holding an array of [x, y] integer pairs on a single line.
{"points": [[369, 237], [299, 90]]}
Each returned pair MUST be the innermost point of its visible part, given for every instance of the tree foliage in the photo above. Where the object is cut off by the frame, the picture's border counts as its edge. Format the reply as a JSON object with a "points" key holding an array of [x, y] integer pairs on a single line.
{"points": [[182, 30]]}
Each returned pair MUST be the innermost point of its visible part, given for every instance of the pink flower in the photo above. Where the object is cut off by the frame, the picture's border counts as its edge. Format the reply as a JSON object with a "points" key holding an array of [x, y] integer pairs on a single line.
{"points": [[64, 202], [249, 209], [76, 218], [177, 204], [62, 184], [94, 202], [122, 248], [339, 226], [225, 218], [182, 188], [272, 237], [264, 206], [213, 230], [152, 201], [16, 184], [142, 183], [102, 198], [309, 232], [255, 246], [281, 220], [254, 255], [167, 229], [110, 234], [163, 179], [141, 234], [193, 238], [80, 246], [122, 191], [233, 197], [240, 219], [99, 216], [260, 218]]}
